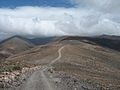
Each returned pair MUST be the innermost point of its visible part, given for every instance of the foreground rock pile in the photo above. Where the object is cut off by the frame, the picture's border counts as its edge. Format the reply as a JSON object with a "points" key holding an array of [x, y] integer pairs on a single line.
{"points": [[15, 78]]}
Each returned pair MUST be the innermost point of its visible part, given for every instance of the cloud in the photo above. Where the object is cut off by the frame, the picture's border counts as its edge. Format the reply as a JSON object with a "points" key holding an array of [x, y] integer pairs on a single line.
{"points": [[109, 6], [54, 21]]}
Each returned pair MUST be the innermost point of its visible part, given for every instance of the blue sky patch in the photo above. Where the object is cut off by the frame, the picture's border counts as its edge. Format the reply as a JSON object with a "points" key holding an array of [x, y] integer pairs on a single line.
{"points": [[45, 3]]}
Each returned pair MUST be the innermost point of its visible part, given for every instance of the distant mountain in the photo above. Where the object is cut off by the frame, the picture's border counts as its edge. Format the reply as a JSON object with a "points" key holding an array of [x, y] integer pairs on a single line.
{"points": [[112, 37], [42, 40], [14, 45], [17, 44], [112, 42]]}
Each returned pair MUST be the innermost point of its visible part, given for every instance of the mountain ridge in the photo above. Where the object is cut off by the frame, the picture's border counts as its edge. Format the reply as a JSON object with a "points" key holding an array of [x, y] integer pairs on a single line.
{"points": [[112, 42]]}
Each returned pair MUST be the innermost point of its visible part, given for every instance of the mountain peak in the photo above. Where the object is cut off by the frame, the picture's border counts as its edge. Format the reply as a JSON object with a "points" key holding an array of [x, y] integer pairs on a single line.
{"points": [[15, 45]]}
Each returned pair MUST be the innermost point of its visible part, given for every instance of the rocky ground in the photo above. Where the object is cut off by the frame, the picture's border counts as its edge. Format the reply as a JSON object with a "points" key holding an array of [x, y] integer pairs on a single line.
{"points": [[60, 80], [15, 78], [68, 82]]}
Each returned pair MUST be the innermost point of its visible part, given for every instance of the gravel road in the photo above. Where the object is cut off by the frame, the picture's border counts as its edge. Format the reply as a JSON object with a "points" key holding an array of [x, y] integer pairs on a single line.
{"points": [[40, 80], [43, 79]]}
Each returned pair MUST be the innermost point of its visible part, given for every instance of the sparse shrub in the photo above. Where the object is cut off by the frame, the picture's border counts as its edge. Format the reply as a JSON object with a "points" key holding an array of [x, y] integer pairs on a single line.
{"points": [[1, 85], [1, 70], [50, 70], [17, 68]]}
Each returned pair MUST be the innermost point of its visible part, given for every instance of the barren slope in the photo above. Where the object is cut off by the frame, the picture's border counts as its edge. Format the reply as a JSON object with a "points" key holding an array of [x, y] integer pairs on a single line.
{"points": [[90, 63]]}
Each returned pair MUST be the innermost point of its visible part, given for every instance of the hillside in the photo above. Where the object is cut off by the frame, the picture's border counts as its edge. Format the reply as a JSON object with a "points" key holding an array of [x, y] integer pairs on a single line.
{"points": [[14, 45], [18, 44], [89, 61]]}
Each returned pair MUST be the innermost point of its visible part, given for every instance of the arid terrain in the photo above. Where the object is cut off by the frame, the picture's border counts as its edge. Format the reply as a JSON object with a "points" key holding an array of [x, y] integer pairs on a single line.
{"points": [[68, 63]]}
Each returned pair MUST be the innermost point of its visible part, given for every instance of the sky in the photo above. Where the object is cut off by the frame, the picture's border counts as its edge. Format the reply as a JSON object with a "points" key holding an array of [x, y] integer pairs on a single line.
{"points": [[45, 18], [45, 3]]}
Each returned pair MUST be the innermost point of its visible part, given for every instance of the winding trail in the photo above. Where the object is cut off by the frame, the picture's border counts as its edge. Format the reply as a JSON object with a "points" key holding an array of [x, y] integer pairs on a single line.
{"points": [[39, 80], [60, 55]]}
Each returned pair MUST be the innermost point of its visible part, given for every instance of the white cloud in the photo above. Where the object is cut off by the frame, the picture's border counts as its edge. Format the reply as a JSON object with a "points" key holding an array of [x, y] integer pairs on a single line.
{"points": [[49, 21]]}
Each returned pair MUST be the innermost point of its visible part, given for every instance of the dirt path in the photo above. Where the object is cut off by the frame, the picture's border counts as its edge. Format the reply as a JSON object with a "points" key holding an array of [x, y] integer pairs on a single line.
{"points": [[42, 79], [39, 80], [60, 55]]}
